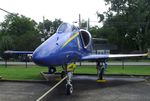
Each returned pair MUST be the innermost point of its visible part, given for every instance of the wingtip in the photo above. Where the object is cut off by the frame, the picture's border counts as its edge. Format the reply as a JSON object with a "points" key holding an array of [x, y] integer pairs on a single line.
{"points": [[148, 55], [7, 51]]}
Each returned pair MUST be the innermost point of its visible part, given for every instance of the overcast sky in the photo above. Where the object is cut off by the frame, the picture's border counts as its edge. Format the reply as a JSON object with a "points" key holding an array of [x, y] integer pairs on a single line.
{"points": [[66, 10]]}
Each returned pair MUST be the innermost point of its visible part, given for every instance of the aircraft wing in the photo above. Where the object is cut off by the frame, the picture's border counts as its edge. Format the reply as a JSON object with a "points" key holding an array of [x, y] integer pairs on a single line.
{"points": [[18, 52], [106, 56]]}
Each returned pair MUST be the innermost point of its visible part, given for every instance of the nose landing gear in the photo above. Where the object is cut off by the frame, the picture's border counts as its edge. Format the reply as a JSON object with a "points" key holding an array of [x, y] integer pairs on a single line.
{"points": [[69, 89], [69, 71]]}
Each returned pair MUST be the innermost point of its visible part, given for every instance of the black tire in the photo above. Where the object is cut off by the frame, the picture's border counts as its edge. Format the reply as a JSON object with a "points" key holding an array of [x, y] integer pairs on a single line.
{"points": [[52, 70], [101, 73], [69, 89]]}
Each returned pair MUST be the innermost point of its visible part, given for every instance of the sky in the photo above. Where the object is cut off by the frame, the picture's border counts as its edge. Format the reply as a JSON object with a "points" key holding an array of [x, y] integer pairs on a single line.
{"points": [[66, 10]]}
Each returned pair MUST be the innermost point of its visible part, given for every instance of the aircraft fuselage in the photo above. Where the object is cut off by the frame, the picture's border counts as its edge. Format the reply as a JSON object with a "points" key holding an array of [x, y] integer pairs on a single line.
{"points": [[61, 48]]}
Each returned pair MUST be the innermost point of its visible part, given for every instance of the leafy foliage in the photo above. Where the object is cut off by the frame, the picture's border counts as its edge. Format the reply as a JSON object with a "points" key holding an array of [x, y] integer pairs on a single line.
{"points": [[47, 25], [127, 24], [18, 32]]}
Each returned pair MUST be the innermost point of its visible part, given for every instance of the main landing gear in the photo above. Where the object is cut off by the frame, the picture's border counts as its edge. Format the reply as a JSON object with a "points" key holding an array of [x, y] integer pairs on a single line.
{"points": [[51, 70], [68, 73], [101, 66]]}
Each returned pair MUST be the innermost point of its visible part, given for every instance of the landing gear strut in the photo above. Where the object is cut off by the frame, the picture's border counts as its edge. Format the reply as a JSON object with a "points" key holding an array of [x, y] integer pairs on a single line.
{"points": [[101, 66], [69, 86]]}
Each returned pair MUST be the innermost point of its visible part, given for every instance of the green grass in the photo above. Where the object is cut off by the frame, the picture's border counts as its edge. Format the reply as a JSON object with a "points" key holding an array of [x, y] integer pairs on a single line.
{"points": [[33, 72], [138, 70], [21, 73]]}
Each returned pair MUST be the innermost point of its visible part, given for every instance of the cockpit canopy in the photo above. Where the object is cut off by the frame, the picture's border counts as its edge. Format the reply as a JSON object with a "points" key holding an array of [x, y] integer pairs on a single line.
{"points": [[66, 28], [84, 35]]}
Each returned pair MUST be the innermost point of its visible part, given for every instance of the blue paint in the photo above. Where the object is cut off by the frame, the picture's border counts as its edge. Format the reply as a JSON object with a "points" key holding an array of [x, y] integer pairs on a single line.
{"points": [[68, 44], [51, 52]]}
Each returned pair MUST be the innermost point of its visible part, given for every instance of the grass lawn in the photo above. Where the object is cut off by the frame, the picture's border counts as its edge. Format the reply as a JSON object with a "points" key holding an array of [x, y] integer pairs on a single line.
{"points": [[33, 72], [21, 73], [140, 70]]}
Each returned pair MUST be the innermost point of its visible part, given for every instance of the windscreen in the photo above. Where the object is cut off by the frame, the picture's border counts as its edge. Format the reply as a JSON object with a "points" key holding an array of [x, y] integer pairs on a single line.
{"points": [[64, 28]]}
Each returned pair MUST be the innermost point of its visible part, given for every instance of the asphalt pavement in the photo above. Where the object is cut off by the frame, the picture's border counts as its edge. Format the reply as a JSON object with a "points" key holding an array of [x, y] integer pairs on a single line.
{"points": [[116, 89], [85, 89], [21, 91]]}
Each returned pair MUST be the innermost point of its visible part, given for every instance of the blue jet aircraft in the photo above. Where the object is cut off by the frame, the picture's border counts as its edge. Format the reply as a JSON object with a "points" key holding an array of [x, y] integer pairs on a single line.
{"points": [[67, 46]]}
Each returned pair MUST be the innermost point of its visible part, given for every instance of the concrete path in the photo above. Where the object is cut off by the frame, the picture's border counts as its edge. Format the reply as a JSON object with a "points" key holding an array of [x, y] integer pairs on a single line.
{"points": [[85, 89]]}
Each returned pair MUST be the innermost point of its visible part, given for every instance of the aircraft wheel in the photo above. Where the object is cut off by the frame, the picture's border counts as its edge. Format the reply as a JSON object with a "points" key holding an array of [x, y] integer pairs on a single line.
{"points": [[69, 89], [102, 73], [52, 70]]}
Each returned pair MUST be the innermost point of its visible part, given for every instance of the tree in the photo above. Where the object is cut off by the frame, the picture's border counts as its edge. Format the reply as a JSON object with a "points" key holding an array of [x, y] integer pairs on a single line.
{"points": [[22, 30], [56, 24], [47, 27], [6, 43], [83, 24], [131, 21]]}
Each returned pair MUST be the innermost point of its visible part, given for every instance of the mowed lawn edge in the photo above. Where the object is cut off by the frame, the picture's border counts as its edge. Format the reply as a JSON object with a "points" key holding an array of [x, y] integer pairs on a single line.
{"points": [[33, 72]]}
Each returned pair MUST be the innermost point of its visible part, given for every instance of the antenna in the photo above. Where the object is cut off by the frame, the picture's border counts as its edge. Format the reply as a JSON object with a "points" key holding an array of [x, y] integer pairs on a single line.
{"points": [[8, 12]]}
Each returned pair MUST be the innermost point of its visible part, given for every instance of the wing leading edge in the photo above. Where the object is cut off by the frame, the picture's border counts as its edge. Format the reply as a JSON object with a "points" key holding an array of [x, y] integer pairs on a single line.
{"points": [[106, 56], [18, 52]]}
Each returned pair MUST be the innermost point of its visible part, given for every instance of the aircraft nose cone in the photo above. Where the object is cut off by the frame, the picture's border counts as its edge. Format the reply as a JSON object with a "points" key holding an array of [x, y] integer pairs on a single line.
{"points": [[40, 59], [37, 58], [49, 52], [45, 56]]}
